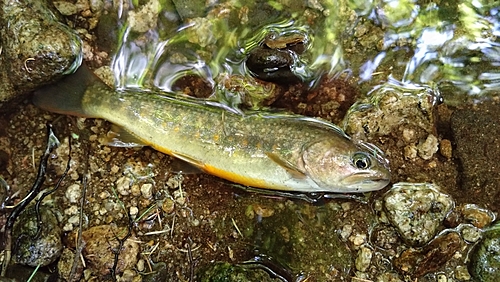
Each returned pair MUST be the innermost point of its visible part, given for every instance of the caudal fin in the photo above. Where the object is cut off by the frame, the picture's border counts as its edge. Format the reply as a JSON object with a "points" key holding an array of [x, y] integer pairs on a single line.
{"points": [[65, 96]]}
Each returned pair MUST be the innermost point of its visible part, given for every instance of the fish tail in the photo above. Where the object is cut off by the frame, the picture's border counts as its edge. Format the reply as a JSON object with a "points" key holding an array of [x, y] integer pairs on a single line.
{"points": [[66, 95]]}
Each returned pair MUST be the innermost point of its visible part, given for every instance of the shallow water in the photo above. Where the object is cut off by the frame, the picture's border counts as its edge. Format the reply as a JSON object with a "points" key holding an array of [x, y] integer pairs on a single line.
{"points": [[451, 47], [381, 51]]}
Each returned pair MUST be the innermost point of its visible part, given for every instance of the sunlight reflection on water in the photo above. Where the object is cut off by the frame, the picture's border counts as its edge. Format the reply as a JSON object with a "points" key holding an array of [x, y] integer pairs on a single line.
{"points": [[454, 47]]}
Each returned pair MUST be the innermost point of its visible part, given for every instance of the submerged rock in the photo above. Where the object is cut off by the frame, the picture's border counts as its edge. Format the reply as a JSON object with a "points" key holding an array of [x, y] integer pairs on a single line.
{"points": [[36, 48], [484, 264], [476, 133], [65, 266], [469, 214], [101, 243], [31, 249], [418, 262], [404, 112], [223, 271], [416, 210]]}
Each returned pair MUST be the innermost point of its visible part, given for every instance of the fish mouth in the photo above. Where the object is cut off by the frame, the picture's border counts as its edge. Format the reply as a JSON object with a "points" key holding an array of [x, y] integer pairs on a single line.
{"points": [[365, 182]]}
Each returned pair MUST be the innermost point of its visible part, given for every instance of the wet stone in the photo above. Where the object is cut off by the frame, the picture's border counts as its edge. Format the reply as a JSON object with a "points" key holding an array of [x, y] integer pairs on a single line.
{"points": [[428, 147], [100, 244], [476, 215], [462, 274], [42, 250], [363, 259], [36, 48], [271, 65], [65, 265], [396, 110], [386, 238], [147, 190], [469, 214], [73, 193], [477, 149], [223, 271], [470, 233], [416, 210], [484, 264], [445, 148], [418, 262]]}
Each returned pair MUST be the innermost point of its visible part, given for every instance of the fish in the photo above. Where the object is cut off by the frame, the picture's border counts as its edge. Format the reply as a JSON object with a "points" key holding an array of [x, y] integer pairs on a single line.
{"points": [[259, 149]]}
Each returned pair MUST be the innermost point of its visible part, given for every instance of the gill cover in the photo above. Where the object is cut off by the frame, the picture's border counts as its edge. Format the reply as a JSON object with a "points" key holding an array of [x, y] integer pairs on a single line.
{"points": [[326, 163]]}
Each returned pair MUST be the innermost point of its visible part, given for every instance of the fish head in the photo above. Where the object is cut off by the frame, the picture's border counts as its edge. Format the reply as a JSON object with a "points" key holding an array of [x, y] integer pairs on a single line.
{"points": [[346, 167]]}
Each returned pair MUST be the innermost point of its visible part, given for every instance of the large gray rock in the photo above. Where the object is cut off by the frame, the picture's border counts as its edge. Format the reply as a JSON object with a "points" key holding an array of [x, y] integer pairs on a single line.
{"points": [[37, 244]]}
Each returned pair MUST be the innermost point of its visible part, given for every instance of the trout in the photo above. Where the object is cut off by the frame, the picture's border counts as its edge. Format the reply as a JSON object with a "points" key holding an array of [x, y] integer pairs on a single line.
{"points": [[283, 152]]}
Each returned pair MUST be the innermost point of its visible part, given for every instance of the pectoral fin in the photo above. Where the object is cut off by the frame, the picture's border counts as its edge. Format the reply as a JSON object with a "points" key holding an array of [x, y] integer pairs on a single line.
{"points": [[288, 166], [119, 137]]}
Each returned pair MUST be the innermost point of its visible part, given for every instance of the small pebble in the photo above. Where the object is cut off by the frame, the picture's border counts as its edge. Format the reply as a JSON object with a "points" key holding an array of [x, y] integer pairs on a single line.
{"points": [[410, 152], [73, 193], [135, 190], [103, 195], [103, 211], [68, 227], [462, 274], [71, 210], [442, 278], [123, 185], [147, 190], [263, 211], [128, 275], [427, 148], [168, 206], [470, 233], [346, 206], [445, 148], [140, 265], [115, 169], [66, 8], [408, 135], [364, 258], [133, 211], [477, 216], [358, 239], [346, 232]]}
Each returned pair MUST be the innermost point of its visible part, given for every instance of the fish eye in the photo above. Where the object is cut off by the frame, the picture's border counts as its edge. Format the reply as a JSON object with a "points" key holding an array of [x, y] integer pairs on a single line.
{"points": [[361, 160]]}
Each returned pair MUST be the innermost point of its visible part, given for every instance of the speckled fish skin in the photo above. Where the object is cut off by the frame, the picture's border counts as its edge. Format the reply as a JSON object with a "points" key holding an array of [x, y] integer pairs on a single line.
{"points": [[282, 152]]}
